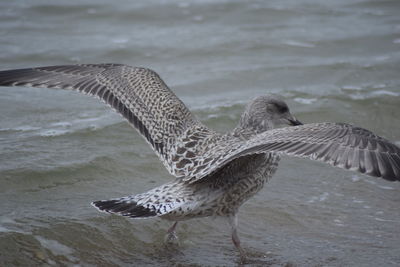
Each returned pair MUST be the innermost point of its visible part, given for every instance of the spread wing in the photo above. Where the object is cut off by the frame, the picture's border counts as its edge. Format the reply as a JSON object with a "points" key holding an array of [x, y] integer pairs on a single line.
{"points": [[138, 94], [190, 150], [337, 144]]}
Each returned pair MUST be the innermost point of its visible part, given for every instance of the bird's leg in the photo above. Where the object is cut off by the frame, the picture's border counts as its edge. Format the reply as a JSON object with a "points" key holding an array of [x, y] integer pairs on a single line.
{"points": [[235, 238], [171, 236], [172, 228]]}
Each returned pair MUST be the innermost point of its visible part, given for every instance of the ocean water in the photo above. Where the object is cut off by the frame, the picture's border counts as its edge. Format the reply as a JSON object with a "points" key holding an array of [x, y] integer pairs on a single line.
{"points": [[59, 150]]}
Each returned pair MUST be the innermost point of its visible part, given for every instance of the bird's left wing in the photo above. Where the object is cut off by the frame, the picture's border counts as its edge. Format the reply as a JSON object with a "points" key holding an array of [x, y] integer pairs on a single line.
{"points": [[138, 94]]}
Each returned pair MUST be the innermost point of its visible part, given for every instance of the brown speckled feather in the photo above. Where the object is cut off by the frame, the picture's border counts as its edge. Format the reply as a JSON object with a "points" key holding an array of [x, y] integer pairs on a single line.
{"points": [[138, 94], [338, 144]]}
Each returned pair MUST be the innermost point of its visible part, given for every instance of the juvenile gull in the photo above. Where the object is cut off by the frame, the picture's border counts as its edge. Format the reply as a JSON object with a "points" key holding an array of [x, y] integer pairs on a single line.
{"points": [[215, 173]]}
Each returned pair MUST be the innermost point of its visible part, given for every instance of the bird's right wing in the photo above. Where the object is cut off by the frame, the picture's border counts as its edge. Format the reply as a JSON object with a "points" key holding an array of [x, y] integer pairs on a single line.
{"points": [[338, 144]]}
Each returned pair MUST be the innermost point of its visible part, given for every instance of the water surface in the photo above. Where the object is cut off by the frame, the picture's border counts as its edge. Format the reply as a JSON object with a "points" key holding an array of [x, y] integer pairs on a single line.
{"points": [[59, 150]]}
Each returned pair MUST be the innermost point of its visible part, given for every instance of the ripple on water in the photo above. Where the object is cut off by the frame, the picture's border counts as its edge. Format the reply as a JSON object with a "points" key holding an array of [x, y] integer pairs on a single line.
{"points": [[333, 61]]}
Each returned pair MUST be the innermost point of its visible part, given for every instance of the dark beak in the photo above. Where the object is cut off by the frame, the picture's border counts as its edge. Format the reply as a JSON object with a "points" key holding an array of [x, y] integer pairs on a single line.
{"points": [[295, 122]]}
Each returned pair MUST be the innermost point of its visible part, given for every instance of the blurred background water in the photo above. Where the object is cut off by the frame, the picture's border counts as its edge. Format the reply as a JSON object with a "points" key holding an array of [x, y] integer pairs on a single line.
{"points": [[331, 60]]}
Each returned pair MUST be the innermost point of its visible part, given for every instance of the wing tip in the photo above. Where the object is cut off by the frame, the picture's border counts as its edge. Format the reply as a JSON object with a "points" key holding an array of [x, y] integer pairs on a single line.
{"points": [[123, 207]]}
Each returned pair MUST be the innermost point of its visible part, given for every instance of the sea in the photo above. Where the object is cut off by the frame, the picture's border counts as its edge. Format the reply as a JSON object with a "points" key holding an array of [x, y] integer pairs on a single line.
{"points": [[334, 61]]}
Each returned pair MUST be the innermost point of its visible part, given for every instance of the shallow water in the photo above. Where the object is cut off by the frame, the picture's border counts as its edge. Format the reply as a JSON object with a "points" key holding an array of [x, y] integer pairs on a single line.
{"points": [[332, 61]]}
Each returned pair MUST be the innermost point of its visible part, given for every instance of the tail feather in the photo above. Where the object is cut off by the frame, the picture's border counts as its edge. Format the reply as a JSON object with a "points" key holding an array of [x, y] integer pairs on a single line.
{"points": [[156, 202], [124, 207]]}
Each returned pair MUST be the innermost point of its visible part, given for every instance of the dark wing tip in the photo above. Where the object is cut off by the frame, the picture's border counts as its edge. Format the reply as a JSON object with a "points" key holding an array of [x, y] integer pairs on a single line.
{"points": [[390, 167], [12, 77], [363, 151], [124, 208]]}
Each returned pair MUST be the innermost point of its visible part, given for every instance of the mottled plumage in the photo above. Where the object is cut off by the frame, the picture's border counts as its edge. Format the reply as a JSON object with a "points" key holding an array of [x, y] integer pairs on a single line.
{"points": [[215, 173]]}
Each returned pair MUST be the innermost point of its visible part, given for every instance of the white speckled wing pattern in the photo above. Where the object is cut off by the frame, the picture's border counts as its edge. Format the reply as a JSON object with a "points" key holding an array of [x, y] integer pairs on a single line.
{"points": [[337, 144], [138, 94]]}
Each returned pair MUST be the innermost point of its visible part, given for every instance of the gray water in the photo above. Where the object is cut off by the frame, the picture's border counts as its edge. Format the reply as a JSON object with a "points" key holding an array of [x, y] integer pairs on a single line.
{"points": [[59, 150]]}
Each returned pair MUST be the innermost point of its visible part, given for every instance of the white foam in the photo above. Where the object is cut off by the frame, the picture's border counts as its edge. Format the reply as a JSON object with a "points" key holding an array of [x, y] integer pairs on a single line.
{"points": [[355, 178], [4, 230], [338, 222], [8, 221], [382, 58], [378, 86], [198, 18], [384, 92], [25, 128], [351, 87], [306, 101], [376, 183], [66, 127], [212, 116], [53, 132], [321, 198], [385, 187], [62, 124], [120, 40], [383, 220], [7, 230], [324, 196], [90, 119], [299, 44], [56, 247], [369, 181]]}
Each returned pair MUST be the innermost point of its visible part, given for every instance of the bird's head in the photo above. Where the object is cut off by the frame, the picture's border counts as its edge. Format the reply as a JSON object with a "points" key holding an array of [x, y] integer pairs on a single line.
{"points": [[267, 112]]}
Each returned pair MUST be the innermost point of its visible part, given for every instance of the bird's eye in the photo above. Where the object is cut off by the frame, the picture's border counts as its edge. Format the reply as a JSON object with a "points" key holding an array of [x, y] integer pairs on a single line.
{"points": [[282, 109]]}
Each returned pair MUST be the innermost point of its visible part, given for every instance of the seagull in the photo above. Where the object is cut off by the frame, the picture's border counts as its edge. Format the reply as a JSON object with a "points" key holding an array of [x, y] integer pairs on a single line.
{"points": [[214, 173]]}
